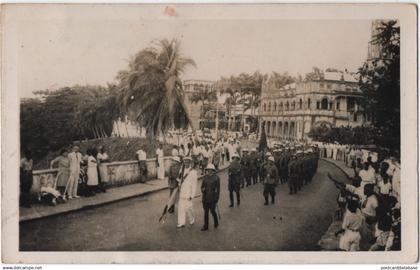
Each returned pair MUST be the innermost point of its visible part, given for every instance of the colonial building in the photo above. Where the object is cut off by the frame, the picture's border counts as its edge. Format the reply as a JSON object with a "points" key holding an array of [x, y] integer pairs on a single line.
{"points": [[290, 112]]}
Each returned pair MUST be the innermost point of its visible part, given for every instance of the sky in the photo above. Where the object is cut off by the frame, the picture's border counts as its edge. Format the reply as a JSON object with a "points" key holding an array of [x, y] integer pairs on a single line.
{"points": [[68, 49]]}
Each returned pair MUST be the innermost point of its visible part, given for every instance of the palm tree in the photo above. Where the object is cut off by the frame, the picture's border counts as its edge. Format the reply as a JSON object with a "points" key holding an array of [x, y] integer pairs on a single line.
{"points": [[151, 88], [205, 95]]}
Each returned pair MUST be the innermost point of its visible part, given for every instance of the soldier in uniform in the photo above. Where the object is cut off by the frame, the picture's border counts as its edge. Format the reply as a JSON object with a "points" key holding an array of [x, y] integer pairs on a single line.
{"points": [[300, 169], [245, 177], [293, 175], [210, 188], [253, 166], [234, 179], [271, 180], [172, 179], [260, 164]]}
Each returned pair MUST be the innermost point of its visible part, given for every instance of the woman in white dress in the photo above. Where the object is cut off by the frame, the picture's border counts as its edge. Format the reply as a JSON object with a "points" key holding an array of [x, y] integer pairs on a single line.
{"points": [[92, 173], [160, 166]]}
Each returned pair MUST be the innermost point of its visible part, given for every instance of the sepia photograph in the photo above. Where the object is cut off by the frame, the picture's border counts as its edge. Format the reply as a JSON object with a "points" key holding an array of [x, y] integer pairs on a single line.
{"points": [[196, 128]]}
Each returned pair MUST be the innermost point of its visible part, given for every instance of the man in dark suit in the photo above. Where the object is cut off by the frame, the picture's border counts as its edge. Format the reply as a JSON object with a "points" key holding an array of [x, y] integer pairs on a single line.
{"points": [[210, 188]]}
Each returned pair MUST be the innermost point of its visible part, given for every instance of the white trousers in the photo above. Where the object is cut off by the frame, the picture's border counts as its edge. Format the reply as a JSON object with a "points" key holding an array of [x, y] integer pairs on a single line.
{"points": [[73, 184], [161, 169], [185, 207], [350, 241]]}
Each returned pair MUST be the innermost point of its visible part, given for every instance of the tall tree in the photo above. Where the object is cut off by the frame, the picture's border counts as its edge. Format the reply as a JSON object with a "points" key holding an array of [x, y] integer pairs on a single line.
{"points": [[152, 92], [380, 82], [205, 95]]}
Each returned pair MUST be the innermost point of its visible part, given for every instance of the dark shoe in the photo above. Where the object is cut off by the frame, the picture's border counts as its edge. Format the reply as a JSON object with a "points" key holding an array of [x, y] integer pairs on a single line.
{"points": [[266, 203], [272, 202], [216, 225], [204, 229], [231, 205]]}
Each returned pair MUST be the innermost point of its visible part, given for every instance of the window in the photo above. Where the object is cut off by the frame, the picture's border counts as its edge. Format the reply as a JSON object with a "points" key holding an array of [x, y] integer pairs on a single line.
{"points": [[264, 107], [324, 104], [355, 117], [317, 105], [330, 107], [275, 106], [321, 85], [269, 106], [287, 106], [300, 104], [328, 86], [309, 103], [337, 105], [293, 105], [281, 106]]}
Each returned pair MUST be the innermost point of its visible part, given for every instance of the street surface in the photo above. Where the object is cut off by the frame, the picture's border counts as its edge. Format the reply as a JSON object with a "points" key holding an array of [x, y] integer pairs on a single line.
{"points": [[293, 223]]}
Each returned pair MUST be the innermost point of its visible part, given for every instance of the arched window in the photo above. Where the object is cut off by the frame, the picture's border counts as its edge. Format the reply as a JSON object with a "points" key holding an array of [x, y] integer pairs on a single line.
{"points": [[269, 106], [309, 103], [300, 104], [287, 105], [265, 107], [275, 106], [293, 105], [281, 106], [324, 104]]}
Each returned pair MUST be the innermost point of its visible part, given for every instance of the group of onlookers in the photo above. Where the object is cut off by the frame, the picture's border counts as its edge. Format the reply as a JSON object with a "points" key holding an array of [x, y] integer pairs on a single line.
{"points": [[370, 205], [77, 175]]}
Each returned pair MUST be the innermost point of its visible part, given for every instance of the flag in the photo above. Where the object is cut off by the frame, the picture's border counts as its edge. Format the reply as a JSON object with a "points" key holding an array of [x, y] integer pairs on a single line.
{"points": [[262, 146], [171, 202], [172, 199]]}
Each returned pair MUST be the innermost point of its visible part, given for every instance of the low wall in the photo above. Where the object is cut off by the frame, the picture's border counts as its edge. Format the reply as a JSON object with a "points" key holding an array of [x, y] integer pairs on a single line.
{"points": [[117, 173]]}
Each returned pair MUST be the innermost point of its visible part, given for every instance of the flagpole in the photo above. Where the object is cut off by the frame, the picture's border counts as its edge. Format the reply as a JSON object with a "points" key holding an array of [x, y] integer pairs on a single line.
{"points": [[217, 114]]}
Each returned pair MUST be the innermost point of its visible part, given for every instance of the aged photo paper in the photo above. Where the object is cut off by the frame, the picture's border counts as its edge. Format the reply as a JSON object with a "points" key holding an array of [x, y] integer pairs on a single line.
{"points": [[209, 133]]}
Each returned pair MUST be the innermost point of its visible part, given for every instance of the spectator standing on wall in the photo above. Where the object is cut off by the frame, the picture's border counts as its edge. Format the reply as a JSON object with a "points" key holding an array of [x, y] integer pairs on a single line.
{"points": [[141, 157]]}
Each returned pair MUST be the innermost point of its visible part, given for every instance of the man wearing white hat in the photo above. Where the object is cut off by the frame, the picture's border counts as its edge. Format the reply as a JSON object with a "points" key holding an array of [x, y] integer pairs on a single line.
{"points": [[271, 181], [188, 187], [210, 188]]}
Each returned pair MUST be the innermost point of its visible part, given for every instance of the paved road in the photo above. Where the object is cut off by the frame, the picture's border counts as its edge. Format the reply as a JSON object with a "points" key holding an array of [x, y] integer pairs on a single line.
{"points": [[294, 223]]}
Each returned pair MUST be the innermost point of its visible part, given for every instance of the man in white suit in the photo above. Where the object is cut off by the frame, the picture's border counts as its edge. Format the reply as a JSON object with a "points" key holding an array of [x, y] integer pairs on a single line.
{"points": [[75, 158], [188, 187]]}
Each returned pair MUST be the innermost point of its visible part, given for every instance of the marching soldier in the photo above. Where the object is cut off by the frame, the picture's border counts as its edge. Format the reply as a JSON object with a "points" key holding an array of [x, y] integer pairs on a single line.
{"points": [[245, 177], [300, 169], [210, 188], [271, 180], [253, 166], [293, 175], [234, 179]]}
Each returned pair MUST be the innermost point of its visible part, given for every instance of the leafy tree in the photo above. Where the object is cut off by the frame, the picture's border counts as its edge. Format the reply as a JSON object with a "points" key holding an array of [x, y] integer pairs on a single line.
{"points": [[380, 82], [205, 95], [55, 119], [314, 75], [151, 88]]}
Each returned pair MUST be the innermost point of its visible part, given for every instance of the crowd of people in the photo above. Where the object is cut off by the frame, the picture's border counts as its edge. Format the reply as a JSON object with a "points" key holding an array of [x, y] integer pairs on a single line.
{"points": [[289, 162], [78, 175], [370, 205]]}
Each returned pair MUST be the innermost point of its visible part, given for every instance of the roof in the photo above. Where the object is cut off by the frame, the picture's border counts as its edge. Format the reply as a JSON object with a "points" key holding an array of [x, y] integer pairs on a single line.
{"points": [[338, 76]]}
